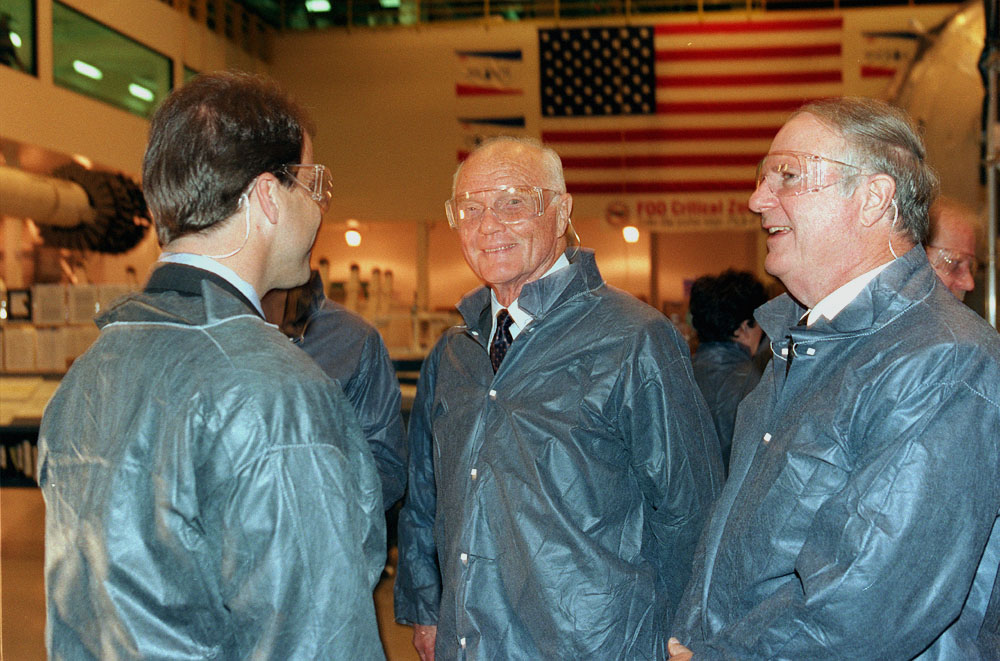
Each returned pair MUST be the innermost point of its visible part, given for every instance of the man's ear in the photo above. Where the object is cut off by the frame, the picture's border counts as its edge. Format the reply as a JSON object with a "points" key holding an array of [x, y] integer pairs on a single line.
{"points": [[267, 195], [879, 193]]}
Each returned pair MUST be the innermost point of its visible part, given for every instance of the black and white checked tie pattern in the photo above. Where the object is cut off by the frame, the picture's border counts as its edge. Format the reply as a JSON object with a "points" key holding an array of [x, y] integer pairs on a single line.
{"points": [[501, 339]]}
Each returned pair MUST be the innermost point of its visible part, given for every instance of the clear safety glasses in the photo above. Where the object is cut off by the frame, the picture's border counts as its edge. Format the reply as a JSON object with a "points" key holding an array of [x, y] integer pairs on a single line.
{"points": [[315, 179], [510, 205], [951, 261], [797, 173]]}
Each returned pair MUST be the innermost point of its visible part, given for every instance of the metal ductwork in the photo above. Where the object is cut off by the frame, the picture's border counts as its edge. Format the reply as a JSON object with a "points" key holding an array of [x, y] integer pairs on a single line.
{"points": [[77, 208]]}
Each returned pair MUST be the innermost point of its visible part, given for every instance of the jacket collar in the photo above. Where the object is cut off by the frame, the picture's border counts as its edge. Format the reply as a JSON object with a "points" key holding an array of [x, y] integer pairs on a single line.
{"points": [[540, 297], [204, 298], [905, 282]]}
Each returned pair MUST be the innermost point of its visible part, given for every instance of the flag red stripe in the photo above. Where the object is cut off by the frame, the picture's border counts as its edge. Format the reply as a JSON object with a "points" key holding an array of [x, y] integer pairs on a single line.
{"points": [[472, 90], [877, 72], [715, 107], [584, 187], [627, 161], [750, 53], [749, 26], [723, 80], [659, 135]]}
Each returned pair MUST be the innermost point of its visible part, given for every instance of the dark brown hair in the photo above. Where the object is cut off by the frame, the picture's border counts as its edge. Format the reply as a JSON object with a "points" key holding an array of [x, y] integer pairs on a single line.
{"points": [[207, 143]]}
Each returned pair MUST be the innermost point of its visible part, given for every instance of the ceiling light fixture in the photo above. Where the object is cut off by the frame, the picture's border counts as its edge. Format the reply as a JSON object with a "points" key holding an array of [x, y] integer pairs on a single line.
{"points": [[88, 70], [140, 92]]}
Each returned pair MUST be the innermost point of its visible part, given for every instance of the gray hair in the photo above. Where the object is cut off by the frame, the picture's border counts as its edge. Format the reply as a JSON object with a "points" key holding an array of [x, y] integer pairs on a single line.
{"points": [[882, 139], [551, 163]]}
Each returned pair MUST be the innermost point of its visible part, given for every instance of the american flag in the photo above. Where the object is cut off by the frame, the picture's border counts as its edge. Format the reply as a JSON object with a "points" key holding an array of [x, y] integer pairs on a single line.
{"points": [[683, 107]]}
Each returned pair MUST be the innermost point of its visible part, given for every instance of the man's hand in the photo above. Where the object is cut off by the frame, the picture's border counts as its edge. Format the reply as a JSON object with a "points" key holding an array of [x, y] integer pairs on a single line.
{"points": [[677, 651], [424, 637]]}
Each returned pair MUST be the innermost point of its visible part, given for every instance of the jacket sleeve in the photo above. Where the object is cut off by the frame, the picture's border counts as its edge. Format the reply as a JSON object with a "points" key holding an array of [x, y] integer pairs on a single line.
{"points": [[303, 538], [888, 561], [674, 450], [375, 394], [418, 583]]}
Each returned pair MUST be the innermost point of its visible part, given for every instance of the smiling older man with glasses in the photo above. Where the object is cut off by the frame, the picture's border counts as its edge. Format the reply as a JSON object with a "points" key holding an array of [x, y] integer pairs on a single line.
{"points": [[859, 520], [562, 459]]}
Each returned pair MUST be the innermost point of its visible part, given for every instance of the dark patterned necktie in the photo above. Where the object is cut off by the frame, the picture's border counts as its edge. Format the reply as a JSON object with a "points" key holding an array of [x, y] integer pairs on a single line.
{"points": [[501, 339]]}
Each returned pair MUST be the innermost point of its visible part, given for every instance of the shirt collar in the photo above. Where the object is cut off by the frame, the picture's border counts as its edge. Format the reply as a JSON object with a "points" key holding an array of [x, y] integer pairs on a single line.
{"points": [[224, 272], [520, 317], [839, 299]]}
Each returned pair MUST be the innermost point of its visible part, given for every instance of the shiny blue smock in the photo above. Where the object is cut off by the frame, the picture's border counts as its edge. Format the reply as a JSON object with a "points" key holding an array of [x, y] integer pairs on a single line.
{"points": [[197, 506], [553, 507], [859, 520], [350, 349], [726, 373]]}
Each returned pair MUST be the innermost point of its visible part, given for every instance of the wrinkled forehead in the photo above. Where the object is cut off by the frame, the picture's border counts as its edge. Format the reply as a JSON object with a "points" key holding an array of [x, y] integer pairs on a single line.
{"points": [[502, 165], [808, 134]]}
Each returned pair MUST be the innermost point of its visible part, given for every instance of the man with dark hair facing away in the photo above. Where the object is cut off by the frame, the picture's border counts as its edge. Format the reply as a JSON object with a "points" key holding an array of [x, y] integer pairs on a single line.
{"points": [[197, 506], [722, 314]]}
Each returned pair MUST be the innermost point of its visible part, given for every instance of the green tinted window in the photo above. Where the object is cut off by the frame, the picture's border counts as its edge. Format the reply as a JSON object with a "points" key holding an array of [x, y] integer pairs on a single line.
{"points": [[95, 60], [17, 34]]}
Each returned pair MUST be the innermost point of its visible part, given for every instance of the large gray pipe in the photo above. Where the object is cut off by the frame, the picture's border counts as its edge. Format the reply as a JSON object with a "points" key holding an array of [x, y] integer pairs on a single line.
{"points": [[45, 200]]}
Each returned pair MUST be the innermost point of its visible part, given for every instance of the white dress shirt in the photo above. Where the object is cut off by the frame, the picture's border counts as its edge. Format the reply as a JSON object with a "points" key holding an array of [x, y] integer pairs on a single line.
{"points": [[840, 297], [520, 317]]}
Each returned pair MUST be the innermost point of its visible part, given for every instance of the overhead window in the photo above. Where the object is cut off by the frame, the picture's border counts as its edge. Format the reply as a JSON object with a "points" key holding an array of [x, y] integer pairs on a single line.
{"points": [[92, 59], [17, 35]]}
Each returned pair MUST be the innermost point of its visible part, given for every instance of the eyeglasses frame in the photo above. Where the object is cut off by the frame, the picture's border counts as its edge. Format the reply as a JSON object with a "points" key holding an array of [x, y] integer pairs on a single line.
{"points": [[538, 190], [324, 195], [809, 157]]}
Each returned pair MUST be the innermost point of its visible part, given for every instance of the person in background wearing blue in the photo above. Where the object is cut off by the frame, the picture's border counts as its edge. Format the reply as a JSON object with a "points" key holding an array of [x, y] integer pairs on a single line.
{"points": [[350, 350], [722, 314], [196, 507], [860, 517], [562, 460]]}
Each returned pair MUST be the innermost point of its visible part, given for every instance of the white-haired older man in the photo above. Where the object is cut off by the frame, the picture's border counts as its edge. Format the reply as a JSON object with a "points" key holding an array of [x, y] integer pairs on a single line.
{"points": [[562, 460], [860, 516]]}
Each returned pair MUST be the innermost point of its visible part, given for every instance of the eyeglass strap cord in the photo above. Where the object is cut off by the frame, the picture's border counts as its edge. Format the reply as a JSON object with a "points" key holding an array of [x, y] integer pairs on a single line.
{"points": [[895, 217], [244, 200]]}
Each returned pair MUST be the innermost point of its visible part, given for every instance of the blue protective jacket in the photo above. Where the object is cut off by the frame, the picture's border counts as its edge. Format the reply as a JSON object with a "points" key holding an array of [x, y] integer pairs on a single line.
{"points": [[196, 505], [553, 507], [726, 373], [860, 518], [350, 350]]}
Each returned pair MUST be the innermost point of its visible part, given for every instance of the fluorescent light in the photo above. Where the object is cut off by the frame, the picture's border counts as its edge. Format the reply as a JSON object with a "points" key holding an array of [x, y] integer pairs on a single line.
{"points": [[88, 70], [389, 4], [317, 5], [140, 92], [15, 39]]}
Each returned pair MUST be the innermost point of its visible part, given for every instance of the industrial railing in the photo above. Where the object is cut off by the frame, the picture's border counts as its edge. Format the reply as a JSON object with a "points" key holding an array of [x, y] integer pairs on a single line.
{"points": [[247, 21]]}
